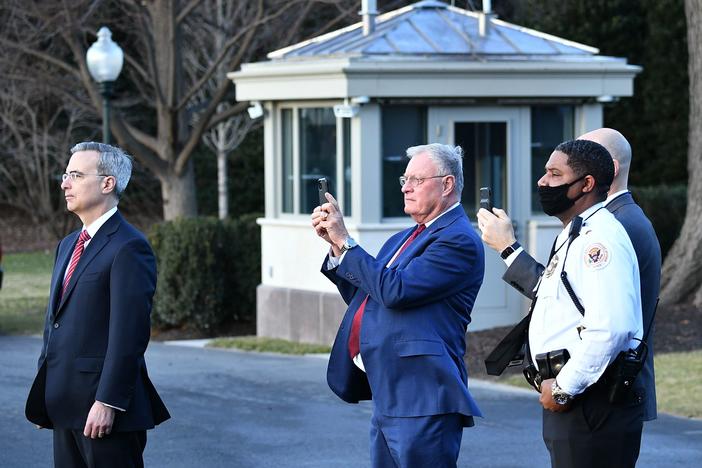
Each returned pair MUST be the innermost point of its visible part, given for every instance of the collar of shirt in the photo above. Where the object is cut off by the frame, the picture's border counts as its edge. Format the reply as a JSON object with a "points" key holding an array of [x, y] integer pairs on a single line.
{"points": [[97, 224], [614, 195], [585, 215], [430, 222], [563, 236]]}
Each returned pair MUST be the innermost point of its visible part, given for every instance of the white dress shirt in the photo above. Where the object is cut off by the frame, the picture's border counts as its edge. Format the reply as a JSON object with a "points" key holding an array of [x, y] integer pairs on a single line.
{"points": [[602, 269]]}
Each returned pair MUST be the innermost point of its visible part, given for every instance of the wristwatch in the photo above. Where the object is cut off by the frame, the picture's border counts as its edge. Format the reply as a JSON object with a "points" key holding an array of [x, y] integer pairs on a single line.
{"points": [[509, 250], [559, 395], [349, 244]]}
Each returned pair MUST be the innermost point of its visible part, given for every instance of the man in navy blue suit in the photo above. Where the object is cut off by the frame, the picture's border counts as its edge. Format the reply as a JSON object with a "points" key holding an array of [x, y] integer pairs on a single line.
{"points": [[402, 340], [92, 387]]}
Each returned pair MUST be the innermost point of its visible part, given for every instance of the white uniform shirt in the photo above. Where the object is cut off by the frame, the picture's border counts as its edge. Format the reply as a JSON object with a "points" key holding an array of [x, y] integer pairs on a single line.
{"points": [[603, 271]]}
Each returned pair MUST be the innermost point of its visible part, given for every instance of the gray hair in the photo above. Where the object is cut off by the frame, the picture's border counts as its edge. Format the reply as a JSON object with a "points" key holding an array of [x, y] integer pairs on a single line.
{"points": [[113, 161], [448, 160]]}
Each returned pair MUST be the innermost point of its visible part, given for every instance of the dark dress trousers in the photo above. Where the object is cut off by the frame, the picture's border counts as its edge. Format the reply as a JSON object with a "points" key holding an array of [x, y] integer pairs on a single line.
{"points": [[96, 334], [523, 274]]}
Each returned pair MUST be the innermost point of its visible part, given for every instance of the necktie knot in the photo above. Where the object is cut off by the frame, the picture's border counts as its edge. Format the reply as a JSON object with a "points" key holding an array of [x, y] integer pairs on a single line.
{"points": [[77, 252], [84, 236]]}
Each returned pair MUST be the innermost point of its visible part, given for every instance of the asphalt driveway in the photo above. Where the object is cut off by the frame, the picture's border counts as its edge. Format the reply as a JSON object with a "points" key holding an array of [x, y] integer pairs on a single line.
{"points": [[236, 409]]}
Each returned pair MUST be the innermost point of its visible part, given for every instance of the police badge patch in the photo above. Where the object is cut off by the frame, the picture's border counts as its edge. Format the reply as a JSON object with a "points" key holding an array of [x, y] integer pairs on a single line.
{"points": [[596, 256]]}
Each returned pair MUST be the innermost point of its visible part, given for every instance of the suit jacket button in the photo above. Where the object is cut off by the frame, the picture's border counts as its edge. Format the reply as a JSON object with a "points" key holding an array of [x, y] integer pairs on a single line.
{"points": [[56, 325]]}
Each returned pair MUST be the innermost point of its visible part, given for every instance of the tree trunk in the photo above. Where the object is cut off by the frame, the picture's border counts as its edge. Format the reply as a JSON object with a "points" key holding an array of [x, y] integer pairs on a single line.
{"points": [[222, 191], [682, 271], [178, 193]]}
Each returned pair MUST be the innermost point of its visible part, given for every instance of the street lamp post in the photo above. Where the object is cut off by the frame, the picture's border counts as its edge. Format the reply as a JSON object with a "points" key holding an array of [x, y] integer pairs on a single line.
{"points": [[105, 60]]}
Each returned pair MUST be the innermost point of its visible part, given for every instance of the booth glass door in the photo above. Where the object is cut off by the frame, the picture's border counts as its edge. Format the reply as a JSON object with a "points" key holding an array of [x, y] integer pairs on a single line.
{"points": [[493, 140]]}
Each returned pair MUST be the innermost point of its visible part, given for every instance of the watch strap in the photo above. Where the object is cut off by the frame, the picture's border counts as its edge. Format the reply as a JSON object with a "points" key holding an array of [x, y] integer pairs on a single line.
{"points": [[509, 250]]}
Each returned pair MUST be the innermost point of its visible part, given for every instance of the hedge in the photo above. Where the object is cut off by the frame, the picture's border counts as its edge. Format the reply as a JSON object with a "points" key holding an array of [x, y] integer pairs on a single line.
{"points": [[208, 271], [665, 206]]}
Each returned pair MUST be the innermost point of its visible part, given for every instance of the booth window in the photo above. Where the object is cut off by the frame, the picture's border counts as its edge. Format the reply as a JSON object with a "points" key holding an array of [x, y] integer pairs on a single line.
{"points": [[287, 154], [317, 153], [550, 125], [314, 144], [346, 138], [402, 127]]}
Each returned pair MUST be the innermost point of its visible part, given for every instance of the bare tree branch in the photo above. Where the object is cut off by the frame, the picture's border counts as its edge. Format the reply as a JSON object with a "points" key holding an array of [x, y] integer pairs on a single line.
{"points": [[187, 10]]}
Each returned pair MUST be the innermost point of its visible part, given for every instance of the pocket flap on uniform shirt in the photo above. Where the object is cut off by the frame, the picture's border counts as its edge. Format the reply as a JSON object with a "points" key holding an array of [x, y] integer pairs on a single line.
{"points": [[89, 364], [419, 348]]}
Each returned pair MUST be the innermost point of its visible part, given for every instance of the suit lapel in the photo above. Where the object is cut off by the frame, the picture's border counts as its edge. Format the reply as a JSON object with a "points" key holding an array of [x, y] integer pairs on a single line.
{"points": [[97, 243], [62, 259], [618, 202], [439, 224]]}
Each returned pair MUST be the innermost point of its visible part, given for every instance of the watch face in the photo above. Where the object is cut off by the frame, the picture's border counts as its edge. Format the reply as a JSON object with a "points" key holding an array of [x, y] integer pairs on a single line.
{"points": [[561, 399]]}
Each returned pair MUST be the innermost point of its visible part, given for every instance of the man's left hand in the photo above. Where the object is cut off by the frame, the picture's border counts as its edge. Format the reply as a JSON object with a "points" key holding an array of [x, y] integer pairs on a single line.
{"points": [[99, 422], [547, 400]]}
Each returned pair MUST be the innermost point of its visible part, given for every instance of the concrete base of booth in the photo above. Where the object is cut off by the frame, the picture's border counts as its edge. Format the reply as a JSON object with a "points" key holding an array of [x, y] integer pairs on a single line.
{"points": [[298, 315]]}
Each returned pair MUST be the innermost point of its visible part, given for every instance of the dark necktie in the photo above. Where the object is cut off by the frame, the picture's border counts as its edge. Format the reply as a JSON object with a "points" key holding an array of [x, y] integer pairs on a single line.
{"points": [[77, 252], [355, 335]]}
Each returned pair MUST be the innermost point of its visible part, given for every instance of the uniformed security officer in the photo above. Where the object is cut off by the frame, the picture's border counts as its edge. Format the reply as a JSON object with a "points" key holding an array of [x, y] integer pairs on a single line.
{"points": [[599, 317]]}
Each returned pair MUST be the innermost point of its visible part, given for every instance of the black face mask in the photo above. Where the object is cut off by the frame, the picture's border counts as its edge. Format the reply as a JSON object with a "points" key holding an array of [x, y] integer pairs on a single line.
{"points": [[554, 200]]}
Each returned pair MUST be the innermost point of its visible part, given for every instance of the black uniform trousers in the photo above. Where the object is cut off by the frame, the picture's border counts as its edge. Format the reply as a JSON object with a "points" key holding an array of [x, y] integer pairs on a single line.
{"points": [[595, 433], [116, 450]]}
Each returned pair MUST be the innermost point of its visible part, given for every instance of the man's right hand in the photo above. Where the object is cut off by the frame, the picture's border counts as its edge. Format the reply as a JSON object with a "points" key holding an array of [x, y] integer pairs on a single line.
{"points": [[319, 215], [496, 228]]}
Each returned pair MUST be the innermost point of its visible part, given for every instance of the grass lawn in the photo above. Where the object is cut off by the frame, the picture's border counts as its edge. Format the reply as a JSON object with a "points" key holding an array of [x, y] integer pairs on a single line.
{"points": [[268, 345], [25, 292], [678, 382]]}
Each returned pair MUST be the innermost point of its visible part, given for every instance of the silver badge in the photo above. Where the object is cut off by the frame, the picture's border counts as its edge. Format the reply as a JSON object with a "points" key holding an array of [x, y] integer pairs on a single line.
{"points": [[552, 266]]}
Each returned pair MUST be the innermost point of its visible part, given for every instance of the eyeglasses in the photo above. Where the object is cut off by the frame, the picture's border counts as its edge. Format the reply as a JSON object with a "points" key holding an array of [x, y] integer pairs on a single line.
{"points": [[76, 175], [413, 181]]}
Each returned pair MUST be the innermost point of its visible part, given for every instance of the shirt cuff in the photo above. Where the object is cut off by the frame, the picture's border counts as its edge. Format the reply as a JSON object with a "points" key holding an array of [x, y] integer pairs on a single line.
{"points": [[513, 256], [110, 406], [333, 262]]}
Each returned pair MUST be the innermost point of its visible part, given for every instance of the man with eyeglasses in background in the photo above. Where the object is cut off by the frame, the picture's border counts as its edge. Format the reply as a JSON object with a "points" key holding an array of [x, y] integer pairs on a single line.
{"points": [[92, 387], [402, 340]]}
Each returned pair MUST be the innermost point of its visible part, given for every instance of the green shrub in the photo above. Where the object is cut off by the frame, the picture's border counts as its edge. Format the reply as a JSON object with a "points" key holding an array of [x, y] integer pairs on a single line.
{"points": [[208, 271], [665, 206]]}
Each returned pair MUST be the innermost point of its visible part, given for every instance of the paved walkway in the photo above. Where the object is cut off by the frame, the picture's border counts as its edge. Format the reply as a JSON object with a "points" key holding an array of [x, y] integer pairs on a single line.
{"points": [[235, 409]]}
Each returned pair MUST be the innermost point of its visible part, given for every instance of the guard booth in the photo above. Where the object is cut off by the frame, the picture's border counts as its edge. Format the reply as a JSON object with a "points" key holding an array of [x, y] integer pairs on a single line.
{"points": [[347, 104]]}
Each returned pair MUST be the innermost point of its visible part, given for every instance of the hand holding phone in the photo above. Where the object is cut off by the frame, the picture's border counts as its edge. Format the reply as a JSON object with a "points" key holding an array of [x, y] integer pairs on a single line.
{"points": [[323, 186], [486, 198]]}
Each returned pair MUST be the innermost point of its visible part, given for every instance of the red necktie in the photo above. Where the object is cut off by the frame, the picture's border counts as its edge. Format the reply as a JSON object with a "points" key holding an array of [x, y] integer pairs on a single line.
{"points": [[355, 335], [77, 252]]}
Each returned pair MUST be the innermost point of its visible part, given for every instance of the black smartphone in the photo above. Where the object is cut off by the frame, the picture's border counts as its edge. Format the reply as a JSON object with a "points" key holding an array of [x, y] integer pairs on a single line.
{"points": [[486, 198], [323, 186]]}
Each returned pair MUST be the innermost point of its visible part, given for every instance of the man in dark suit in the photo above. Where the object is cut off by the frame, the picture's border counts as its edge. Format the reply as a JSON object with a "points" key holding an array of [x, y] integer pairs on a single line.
{"points": [[92, 387], [524, 271], [402, 339]]}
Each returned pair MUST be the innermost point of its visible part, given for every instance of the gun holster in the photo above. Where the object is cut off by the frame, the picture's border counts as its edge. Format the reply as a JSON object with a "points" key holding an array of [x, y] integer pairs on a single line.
{"points": [[547, 366], [621, 374]]}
